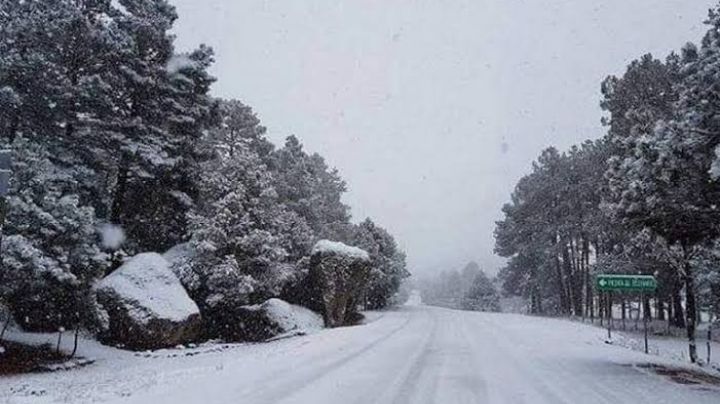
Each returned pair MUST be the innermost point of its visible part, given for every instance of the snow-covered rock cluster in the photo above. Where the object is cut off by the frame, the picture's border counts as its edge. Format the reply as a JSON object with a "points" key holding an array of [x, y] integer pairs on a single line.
{"points": [[146, 306]]}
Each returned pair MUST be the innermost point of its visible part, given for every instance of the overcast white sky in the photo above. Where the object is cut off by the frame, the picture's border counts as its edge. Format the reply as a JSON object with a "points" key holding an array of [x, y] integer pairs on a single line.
{"points": [[431, 110]]}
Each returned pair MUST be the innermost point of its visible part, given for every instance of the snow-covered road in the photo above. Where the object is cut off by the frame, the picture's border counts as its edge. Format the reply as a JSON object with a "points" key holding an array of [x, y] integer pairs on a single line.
{"points": [[413, 355]]}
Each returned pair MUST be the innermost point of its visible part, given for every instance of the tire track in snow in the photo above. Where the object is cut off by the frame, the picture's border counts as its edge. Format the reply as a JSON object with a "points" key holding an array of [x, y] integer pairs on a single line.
{"points": [[566, 375], [298, 380], [516, 383]]}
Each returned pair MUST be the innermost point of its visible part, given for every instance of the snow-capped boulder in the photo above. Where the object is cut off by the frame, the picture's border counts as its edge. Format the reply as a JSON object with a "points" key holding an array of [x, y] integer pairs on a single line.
{"points": [[336, 248], [340, 274], [270, 319], [147, 307]]}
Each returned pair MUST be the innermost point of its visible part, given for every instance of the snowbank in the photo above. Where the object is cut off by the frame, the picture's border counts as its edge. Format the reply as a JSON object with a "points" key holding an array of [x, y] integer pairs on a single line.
{"points": [[334, 247], [271, 319], [290, 317]]}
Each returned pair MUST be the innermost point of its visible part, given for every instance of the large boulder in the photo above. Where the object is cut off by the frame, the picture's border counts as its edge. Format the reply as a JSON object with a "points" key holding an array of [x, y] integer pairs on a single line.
{"points": [[146, 306], [270, 319], [340, 275]]}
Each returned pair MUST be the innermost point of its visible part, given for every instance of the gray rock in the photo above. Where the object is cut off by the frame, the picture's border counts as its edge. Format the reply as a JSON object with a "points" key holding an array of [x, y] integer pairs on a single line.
{"points": [[261, 322], [340, 273], [146, 306]]}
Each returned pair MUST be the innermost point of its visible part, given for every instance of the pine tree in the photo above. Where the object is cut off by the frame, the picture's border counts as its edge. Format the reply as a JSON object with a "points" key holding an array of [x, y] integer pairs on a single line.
{"points": [[668, 185], [52, 254], [482, 295], [161, 111], [308, 187], [389, 267]]}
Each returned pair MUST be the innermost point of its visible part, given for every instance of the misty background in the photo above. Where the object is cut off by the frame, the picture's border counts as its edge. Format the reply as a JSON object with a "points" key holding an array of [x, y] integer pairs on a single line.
{"points": [[431, 110]]}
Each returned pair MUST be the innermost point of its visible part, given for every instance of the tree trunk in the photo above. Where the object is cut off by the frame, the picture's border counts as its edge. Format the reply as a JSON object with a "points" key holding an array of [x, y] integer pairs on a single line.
{"points": [[533, 303], [14, 128], [574, 270], [588, 282], [539, 304], [75, 342], [677, 319], [59, 340], [690, 310], [647, 310], [5, 326], [560, 283], [660, 308], [120, 190], [569, 291]]}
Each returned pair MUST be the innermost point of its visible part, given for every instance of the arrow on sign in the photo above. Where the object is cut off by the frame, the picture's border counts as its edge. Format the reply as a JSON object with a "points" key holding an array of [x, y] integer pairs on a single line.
{"points": [[626, 282]]}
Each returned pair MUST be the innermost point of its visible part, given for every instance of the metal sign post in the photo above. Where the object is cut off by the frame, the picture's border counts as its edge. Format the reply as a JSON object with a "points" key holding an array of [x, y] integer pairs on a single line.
{"points": [[645, 317], [627, 283], [608, 309]]}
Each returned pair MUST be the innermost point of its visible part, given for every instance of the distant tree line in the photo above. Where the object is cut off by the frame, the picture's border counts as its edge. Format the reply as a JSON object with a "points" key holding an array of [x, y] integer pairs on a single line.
{"points": [[111, 128], [469, 289], [643, 199]]}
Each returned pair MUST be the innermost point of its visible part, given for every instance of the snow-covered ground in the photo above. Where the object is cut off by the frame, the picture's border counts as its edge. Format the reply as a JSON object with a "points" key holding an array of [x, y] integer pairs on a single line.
{"points": [[671, 344], [417, 354], [669, 347]]}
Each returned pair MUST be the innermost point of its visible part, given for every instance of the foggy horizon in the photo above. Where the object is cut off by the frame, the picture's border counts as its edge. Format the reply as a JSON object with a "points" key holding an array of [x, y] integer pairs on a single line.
{"points": [[431, 124]]}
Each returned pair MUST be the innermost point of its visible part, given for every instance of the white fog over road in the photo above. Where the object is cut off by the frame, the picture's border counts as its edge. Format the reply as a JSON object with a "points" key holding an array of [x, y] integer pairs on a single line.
{"points": [[416, 354]]}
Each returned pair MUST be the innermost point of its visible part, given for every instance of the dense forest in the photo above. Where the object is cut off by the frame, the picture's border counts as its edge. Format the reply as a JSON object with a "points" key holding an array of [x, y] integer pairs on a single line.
{"points": [[119, 148], [643, 199]]}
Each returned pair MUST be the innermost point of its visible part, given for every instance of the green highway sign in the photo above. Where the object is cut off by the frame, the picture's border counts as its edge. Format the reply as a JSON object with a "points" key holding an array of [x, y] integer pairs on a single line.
{"points": [[626, 283]]}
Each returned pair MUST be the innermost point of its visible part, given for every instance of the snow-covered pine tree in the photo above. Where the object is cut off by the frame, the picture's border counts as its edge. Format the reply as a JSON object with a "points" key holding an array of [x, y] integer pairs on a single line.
{"points": [[308, 187], [51, 250], [237, 125], [231, 222], [389, 268], [646, 94], [670, 184], [162, 108], [89, 91], [552, 226], [239, 219]]}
